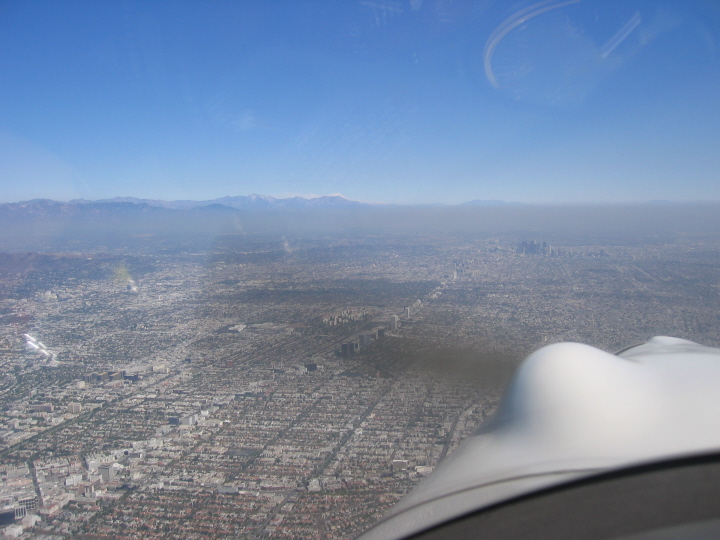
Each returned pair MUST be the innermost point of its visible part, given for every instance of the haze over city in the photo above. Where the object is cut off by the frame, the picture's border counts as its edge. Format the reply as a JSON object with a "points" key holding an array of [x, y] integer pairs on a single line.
{"points": [[293, 372]]}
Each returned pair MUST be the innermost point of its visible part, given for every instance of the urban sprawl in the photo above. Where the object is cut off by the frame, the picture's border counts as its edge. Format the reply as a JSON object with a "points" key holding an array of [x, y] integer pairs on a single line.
{"points": [[291, 389]]}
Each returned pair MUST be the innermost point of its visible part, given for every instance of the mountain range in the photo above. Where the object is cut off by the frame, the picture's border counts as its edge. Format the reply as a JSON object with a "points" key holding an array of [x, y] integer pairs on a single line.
{"points": [[241, 202]]}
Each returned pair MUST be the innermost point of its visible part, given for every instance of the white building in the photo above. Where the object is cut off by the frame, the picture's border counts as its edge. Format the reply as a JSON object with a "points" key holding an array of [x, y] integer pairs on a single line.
{"points": [[13, 531]]}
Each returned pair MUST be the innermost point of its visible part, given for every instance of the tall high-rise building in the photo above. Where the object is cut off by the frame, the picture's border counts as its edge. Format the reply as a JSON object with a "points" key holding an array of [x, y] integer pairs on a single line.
{"points": [[394, 322]]}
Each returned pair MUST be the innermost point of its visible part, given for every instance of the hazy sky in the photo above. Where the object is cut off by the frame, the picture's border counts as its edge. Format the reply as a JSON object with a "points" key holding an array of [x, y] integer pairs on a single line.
{"points": [[412, 101]]}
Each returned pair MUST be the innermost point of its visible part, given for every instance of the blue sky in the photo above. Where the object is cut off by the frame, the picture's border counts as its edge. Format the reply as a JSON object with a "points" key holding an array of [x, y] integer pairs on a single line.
{"points": [[403, 101]]}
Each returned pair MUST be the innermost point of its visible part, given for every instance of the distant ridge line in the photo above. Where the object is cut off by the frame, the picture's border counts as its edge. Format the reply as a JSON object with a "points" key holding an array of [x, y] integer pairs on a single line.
{"points": [[256, 201], [253, 201], [336, 201]]}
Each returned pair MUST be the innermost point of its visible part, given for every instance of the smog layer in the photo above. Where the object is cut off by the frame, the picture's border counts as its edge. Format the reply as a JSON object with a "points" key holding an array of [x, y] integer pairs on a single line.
{"points": [[227, 372]]}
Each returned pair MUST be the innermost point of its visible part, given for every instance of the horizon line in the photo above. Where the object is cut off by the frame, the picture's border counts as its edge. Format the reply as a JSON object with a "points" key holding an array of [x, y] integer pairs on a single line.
{"points": [[310, 197]]}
